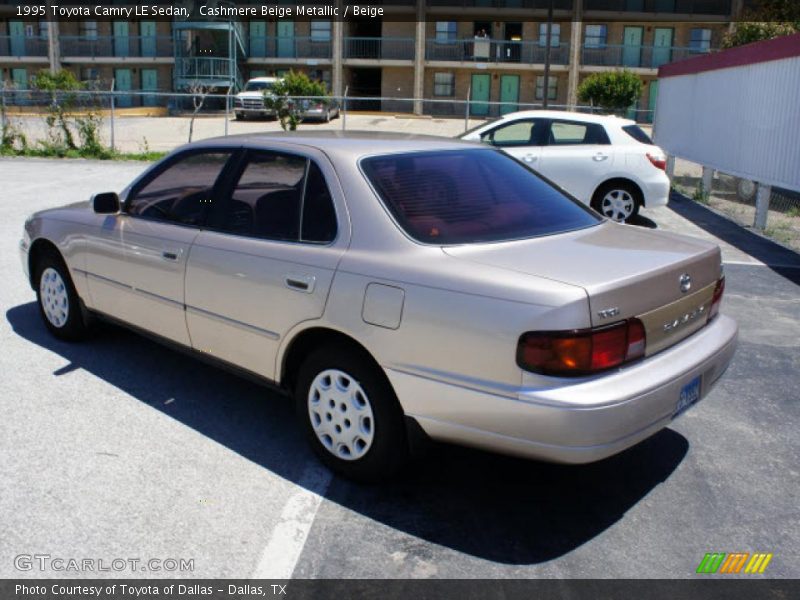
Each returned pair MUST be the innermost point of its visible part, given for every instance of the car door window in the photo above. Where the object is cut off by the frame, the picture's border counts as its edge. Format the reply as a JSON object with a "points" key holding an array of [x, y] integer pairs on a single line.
{"points": [[182, 192], [518, 133], [319, 215], [566, 133]]}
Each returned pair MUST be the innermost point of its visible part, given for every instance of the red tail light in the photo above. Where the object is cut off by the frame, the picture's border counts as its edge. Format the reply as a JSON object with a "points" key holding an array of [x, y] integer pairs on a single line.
{"points": [[582, 351], [659, 162], [716, 299]]}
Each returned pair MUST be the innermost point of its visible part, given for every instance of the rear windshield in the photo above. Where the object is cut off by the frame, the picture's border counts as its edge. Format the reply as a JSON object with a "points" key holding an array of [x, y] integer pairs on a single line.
{"points": [[461, 196], [638, 134]]}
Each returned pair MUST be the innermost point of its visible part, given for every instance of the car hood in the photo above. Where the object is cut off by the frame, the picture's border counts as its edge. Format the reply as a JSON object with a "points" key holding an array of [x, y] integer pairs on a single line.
{"points": [[64, 211], [625, 269], [250, 95]]}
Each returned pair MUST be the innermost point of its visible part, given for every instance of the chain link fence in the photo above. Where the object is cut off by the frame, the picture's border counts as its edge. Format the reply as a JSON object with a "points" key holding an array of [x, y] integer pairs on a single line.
{"points": [[777, 216]]}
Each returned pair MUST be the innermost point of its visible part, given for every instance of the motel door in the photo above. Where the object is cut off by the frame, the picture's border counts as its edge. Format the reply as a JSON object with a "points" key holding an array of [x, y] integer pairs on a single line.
{"points": [[150, 84], [509, 93], [258, 39], [122, 83], [479, 95], [147, 31], [121, 40], [286, 39], [20, 79], [16, 29], [632, 47], [662, 46]]}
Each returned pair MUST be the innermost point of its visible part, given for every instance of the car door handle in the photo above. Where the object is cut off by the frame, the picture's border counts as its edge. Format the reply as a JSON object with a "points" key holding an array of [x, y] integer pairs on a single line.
{"points": [[599, 156], [170, 255], [529, 157], [301, 283]]}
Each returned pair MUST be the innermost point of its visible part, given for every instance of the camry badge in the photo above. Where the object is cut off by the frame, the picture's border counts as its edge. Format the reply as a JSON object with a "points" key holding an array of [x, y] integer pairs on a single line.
{"points": [[608, 313], [686, 282]]}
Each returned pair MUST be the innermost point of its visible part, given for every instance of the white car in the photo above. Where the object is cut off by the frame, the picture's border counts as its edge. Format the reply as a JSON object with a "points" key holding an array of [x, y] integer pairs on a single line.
{"points": [[250, 101], [606, 162]]}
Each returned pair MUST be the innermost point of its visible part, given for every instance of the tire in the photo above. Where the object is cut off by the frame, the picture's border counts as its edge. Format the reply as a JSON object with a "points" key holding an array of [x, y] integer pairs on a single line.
{"points": [[328, 116], [59, 304], [350, 414], [239, 116], [617, 201]]}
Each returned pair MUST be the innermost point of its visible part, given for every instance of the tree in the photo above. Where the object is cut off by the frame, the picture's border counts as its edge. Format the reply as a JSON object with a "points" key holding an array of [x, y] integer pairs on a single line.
{"points": [[199, 92], [61, 87], [766, 20], [290, 96], [615, 91]]}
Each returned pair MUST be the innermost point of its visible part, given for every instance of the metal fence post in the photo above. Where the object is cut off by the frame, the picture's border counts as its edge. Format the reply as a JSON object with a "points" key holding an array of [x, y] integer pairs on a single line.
{"points": [[344, 108], [227, 108], [112, 114], [466, 108], [3, 105], [708, 179], [762, 206]]}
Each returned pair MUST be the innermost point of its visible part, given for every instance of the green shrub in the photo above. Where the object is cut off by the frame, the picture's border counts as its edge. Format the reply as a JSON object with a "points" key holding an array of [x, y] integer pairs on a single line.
{"points": [[615, 91]]}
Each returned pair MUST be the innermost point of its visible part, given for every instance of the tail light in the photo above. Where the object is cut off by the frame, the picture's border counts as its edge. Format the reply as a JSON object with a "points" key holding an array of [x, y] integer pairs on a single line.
{"points": [[659, 162], [716, 299], [582, 351]]}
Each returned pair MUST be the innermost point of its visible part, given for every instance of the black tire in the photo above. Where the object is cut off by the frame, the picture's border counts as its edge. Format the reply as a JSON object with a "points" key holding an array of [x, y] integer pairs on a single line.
{"points": [[388, 449], [620, 187], [74, 326], [239, 116]]}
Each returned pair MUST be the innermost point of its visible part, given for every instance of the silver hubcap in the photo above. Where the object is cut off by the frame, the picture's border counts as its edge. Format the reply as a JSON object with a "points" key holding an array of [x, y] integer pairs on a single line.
{"points": [[341, 414], [53, 294], [617, 205]]}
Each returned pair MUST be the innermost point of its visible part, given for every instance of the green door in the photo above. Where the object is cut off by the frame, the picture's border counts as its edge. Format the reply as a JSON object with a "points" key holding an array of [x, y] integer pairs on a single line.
{"points": [[121, 40], [150, 84], [147, 32], [122, 83], [662, 46], [20, 79], [632, 47], [651, 101], [479, 94], [16, 30], [509, 93], [258, 39], [286, 39]]}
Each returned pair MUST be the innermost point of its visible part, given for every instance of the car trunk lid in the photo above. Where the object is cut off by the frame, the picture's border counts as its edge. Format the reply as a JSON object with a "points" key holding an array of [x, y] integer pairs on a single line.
{"points": [[665, 280]]}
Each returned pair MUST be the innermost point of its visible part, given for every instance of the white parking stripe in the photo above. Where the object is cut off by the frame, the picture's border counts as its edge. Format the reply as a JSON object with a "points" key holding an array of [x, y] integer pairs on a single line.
{"points": [[280, 556]]}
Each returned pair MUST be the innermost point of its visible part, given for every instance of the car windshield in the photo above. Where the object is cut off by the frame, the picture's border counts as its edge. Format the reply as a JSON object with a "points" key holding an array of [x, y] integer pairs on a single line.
{"points": [[471, 195], [257, 86]]}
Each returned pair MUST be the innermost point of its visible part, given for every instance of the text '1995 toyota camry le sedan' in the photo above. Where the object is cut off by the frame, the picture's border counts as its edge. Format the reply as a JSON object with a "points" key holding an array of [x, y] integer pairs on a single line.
{"points": [[399, 288]]}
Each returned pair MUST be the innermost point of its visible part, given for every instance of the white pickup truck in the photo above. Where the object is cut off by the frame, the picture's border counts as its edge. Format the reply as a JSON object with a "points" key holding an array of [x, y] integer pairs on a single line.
{"points": [[250, 101]]}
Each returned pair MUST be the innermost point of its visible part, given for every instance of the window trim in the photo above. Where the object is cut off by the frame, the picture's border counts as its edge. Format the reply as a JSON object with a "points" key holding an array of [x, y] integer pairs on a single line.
{"points": [[167, 163]]}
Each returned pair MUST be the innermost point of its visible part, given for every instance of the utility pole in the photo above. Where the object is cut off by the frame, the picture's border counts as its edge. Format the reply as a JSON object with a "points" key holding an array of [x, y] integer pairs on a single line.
{"points": [[546, 87]]}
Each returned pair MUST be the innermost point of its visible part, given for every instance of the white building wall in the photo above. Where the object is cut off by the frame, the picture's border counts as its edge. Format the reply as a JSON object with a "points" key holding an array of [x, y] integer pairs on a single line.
{"points": [[742, 120]]}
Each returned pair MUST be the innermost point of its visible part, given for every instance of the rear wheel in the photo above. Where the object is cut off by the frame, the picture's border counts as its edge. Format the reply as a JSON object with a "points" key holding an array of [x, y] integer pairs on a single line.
{"points": [[617, 201], [58, 301], [350, 414]]}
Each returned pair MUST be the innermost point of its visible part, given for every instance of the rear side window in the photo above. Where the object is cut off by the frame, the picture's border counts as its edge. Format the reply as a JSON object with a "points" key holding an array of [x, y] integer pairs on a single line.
{"points": [[182, 192], [638, 134], [564, 133], [462, 196]]}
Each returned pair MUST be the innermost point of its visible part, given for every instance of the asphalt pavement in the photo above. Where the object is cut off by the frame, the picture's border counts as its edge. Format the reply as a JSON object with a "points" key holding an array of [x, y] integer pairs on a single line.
{"points": [[121, 448]]}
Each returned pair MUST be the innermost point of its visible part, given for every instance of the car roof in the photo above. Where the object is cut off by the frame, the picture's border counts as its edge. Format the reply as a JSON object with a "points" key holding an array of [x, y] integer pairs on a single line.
{"points": [[356, 144], [572, 116], [266, 79]]}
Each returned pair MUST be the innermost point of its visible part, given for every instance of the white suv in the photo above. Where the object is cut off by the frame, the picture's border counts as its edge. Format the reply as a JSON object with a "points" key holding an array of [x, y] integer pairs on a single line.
{"points": [[606, 162]]}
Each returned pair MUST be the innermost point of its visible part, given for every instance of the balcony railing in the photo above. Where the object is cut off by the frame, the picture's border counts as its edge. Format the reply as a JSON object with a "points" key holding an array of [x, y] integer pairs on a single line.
{"points": [[204, 68], [688, 7], [18, 45], [646, 57], [487, 50], [377, 48], [119, 46], [289, 47]]}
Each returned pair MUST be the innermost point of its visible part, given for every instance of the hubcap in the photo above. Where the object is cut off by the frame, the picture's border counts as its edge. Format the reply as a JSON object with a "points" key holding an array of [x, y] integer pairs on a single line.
{"points": [[617, 205], [341, 414], [53, 294]]}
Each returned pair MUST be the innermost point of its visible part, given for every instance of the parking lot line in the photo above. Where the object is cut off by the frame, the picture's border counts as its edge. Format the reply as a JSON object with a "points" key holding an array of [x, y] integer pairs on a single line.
{"points": [[286, 543]]}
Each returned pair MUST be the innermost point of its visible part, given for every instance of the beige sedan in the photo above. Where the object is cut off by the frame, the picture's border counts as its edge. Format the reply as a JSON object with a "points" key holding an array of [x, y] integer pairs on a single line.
{"points": [[399, 288]]}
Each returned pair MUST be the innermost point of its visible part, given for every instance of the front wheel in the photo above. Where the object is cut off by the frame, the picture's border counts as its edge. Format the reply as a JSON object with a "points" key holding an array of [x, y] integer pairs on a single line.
{"points": [[350, 414], [58, 301], [618, 202]]}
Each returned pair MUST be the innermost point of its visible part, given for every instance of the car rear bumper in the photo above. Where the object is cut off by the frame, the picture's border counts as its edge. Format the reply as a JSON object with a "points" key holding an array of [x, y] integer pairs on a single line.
{"points": [[656, 192], [584, 422]]}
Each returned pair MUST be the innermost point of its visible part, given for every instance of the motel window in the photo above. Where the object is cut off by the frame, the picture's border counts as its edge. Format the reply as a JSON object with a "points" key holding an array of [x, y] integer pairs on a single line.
{"points": [[444, 84], [320, 30], [446, 31], [552, 88], [89, 74], [596, 36], [555, 34], [43, 31], [89, 29], [323, 75], [700, 40]]}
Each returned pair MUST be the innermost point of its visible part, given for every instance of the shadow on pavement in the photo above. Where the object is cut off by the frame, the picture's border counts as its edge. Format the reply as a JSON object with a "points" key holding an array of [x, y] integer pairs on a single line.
{"points": [[492, 507], [773, 255], [642, 221]]}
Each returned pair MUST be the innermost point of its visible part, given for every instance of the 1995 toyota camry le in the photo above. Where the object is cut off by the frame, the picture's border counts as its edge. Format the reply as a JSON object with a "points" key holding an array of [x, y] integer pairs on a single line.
{"points": [[398, 287]]}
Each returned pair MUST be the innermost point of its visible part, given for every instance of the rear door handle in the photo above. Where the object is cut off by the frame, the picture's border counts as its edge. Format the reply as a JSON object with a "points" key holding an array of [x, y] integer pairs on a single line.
{"points": [[599, 156], [529, 157], [170, 255], [300, 283]]}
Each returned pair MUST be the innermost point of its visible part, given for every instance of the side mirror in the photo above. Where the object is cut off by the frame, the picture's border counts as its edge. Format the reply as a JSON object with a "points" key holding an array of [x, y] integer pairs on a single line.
{"points": [[106, 203]]}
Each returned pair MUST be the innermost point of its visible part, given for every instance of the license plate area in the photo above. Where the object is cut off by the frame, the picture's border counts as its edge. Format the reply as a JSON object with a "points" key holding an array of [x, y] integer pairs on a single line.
{"points": [[689, 395]]}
